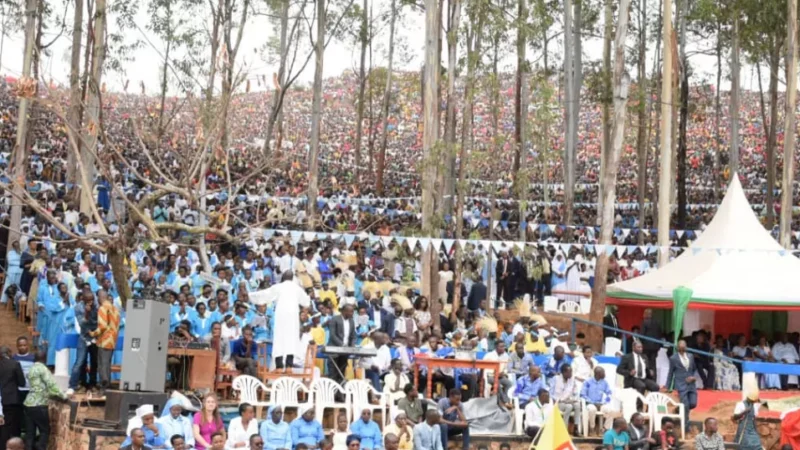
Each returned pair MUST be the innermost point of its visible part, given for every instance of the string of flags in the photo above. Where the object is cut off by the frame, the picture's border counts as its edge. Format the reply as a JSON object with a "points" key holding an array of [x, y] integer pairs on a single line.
{"points": [[447, 245]]}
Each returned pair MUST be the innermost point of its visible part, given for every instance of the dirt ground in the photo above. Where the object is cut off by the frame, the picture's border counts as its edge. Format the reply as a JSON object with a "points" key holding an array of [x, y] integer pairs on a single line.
{"points": [[10, 328]]}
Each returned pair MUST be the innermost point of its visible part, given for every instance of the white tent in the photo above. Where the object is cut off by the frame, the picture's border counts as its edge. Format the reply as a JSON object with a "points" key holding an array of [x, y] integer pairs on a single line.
{"points": [[735, 262]]}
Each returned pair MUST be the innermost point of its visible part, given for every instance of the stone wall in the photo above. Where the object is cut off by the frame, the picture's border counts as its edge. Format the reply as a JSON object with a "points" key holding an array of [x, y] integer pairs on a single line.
{"points": [[63, 436]]}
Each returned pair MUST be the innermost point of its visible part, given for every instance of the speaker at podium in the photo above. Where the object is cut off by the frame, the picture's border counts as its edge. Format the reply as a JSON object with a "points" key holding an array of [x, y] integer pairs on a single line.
{"points": [[144, 356]]}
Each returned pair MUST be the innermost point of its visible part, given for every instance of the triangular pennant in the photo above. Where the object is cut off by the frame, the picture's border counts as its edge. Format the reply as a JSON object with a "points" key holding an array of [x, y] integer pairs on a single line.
{"points": [[610, 250], [386, 240], [448, 244], [268, 234], [412, 243], [348, 239], [309, 236], [621, 251], [679, 233], [589, 248], [425, 243], [296, 235], [437, 244], [598, 249]]}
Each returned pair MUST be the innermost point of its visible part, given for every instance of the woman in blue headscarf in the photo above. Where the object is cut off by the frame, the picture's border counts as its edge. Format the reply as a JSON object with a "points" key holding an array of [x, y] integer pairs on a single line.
{"points": [[274, 431], [174, 422]]}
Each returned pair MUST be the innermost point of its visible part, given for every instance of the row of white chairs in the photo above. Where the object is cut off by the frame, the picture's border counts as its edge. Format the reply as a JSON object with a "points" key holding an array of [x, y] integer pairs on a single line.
{"points": [[320, 395], [623, 401]]}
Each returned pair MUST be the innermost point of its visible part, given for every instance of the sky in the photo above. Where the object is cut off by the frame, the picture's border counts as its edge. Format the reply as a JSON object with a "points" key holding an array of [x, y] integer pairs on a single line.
{"points": [[339, 56]]}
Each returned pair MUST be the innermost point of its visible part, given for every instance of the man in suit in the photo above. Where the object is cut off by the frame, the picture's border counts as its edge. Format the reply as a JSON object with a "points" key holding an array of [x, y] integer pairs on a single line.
{"points": [[342, 330], [681, 377], [477, 294], [610, 320], [383, 319], [11, 379], [652, 329], [506, 273], [638, 374]]}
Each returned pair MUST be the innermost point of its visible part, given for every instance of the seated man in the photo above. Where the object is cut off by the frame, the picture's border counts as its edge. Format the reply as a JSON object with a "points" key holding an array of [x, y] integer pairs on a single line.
{"points": [[583, 365], [245, 353], [379, 364], [617, 437], [395, 382], [453, 421], [634, 368], [566, 394], [597, 394], [500, 354], [553, 366], [666, 438], [518, 362], [537, 411], [528, 387]]}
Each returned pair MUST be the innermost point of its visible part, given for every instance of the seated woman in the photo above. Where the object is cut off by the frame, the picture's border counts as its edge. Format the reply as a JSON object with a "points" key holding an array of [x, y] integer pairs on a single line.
{"points": [[764, 353], [274, 431], [154, 434]]}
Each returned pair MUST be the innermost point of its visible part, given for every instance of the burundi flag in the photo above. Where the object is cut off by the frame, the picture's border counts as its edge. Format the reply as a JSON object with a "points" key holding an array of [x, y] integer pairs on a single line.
{"points": [[554, 434]]}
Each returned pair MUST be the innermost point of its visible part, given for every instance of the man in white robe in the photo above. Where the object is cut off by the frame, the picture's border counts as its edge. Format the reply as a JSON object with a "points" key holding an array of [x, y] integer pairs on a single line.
{"points": [[785, 352], [289, 298]]}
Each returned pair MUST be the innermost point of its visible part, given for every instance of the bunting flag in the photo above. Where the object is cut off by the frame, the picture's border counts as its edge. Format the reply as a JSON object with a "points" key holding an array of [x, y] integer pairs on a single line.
{"points": [[554, 434]]}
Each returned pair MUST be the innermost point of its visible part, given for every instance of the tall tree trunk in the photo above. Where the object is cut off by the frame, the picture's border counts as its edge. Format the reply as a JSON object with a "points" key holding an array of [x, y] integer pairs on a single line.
{"points": [[735, 86], [789, 126], [772, 137], [316, 118], [362, 82], [275, 115], [430, 139], [642, 135], [387, 92], [651, 108], [453, 19], [21, 146], [570, 103], [605, 142], [546, 130], [164, 84], [684, 117], [520, 114], [93, 105], [75, 89], [609, 181], [665, 177]]}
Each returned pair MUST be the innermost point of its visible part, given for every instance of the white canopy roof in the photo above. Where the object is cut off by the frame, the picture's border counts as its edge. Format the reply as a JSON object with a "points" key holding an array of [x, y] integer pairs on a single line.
{"points": [[735, 261]]}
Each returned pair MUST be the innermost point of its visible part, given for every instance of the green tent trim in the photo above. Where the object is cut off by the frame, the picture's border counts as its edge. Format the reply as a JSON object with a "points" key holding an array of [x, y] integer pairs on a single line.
{"points": [[716, 301]]}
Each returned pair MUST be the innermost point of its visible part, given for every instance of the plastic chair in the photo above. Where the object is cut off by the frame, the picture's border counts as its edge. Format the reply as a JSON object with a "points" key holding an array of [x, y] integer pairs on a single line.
{"points": [[323, 393], [358, 392], [628, 397], [285, 392], [519, 415], [550, 303], [247, 389], [612, 346], [656, 400], [610, 370], [569, 307], [586, 305]]}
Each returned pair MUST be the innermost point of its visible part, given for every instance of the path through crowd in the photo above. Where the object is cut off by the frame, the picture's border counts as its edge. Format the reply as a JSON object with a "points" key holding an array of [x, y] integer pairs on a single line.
{"points": [[10, 328]]}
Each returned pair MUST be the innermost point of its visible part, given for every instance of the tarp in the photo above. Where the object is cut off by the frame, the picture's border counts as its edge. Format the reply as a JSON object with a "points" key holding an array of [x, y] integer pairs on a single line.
{"points": [[734, 264], [486, 417]]}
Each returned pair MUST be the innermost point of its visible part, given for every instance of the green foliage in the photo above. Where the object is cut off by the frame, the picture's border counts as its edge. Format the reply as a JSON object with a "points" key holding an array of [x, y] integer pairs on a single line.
{"points": [[174, 23], [122, 41]]}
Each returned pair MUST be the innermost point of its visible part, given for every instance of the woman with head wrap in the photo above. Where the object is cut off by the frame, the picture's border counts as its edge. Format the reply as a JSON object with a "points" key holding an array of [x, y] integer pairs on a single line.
{"points": [[154, 434], [174, 422], [274, 431], [401, 428], [241, 428], [366, 429], [305, 429]]}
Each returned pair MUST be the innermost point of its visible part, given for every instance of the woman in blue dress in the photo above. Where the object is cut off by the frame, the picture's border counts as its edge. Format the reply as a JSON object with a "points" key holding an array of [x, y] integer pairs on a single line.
{"points": [[103, 198], [14, 271]]}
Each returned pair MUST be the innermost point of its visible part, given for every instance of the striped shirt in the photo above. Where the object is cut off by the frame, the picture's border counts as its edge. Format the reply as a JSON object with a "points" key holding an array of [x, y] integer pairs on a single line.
{"points": [[107, 326]]}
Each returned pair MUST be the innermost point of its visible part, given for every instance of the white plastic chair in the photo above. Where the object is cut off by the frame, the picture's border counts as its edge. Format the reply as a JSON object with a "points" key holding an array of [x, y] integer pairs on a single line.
{"points": [[612, 346], [586, 305], [628, 397], [358, 393], [656, 399], [323, 393], [550, 303], [285, 392], [247, 388], [610, 371], [569, 307], [519, 415]]}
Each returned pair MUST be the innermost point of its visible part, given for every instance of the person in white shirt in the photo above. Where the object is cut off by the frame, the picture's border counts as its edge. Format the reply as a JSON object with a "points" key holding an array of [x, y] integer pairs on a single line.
{"points": [[536, 413], [785, 352], [566, 394], [583, 366], [241, 428], [379, 364], [395, 381], [500, 354]]}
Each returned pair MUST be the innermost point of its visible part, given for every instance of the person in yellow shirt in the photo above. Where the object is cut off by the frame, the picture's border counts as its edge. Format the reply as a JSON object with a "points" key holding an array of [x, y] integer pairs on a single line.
{"points": [[535, 344], [320, 338], [106, 334], [328, 294]]}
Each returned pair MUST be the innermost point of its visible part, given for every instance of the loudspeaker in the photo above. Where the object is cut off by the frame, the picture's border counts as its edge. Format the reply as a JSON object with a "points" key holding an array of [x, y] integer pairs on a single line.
{"points": [[144, 357]]}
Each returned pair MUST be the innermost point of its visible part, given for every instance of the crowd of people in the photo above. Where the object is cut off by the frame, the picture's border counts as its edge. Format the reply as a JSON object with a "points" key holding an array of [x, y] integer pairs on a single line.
{"points": [[358, 293]]}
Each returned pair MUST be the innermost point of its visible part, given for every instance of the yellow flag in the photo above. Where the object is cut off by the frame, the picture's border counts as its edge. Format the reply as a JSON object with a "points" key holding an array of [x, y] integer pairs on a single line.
{"points": [[554, 434]]}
